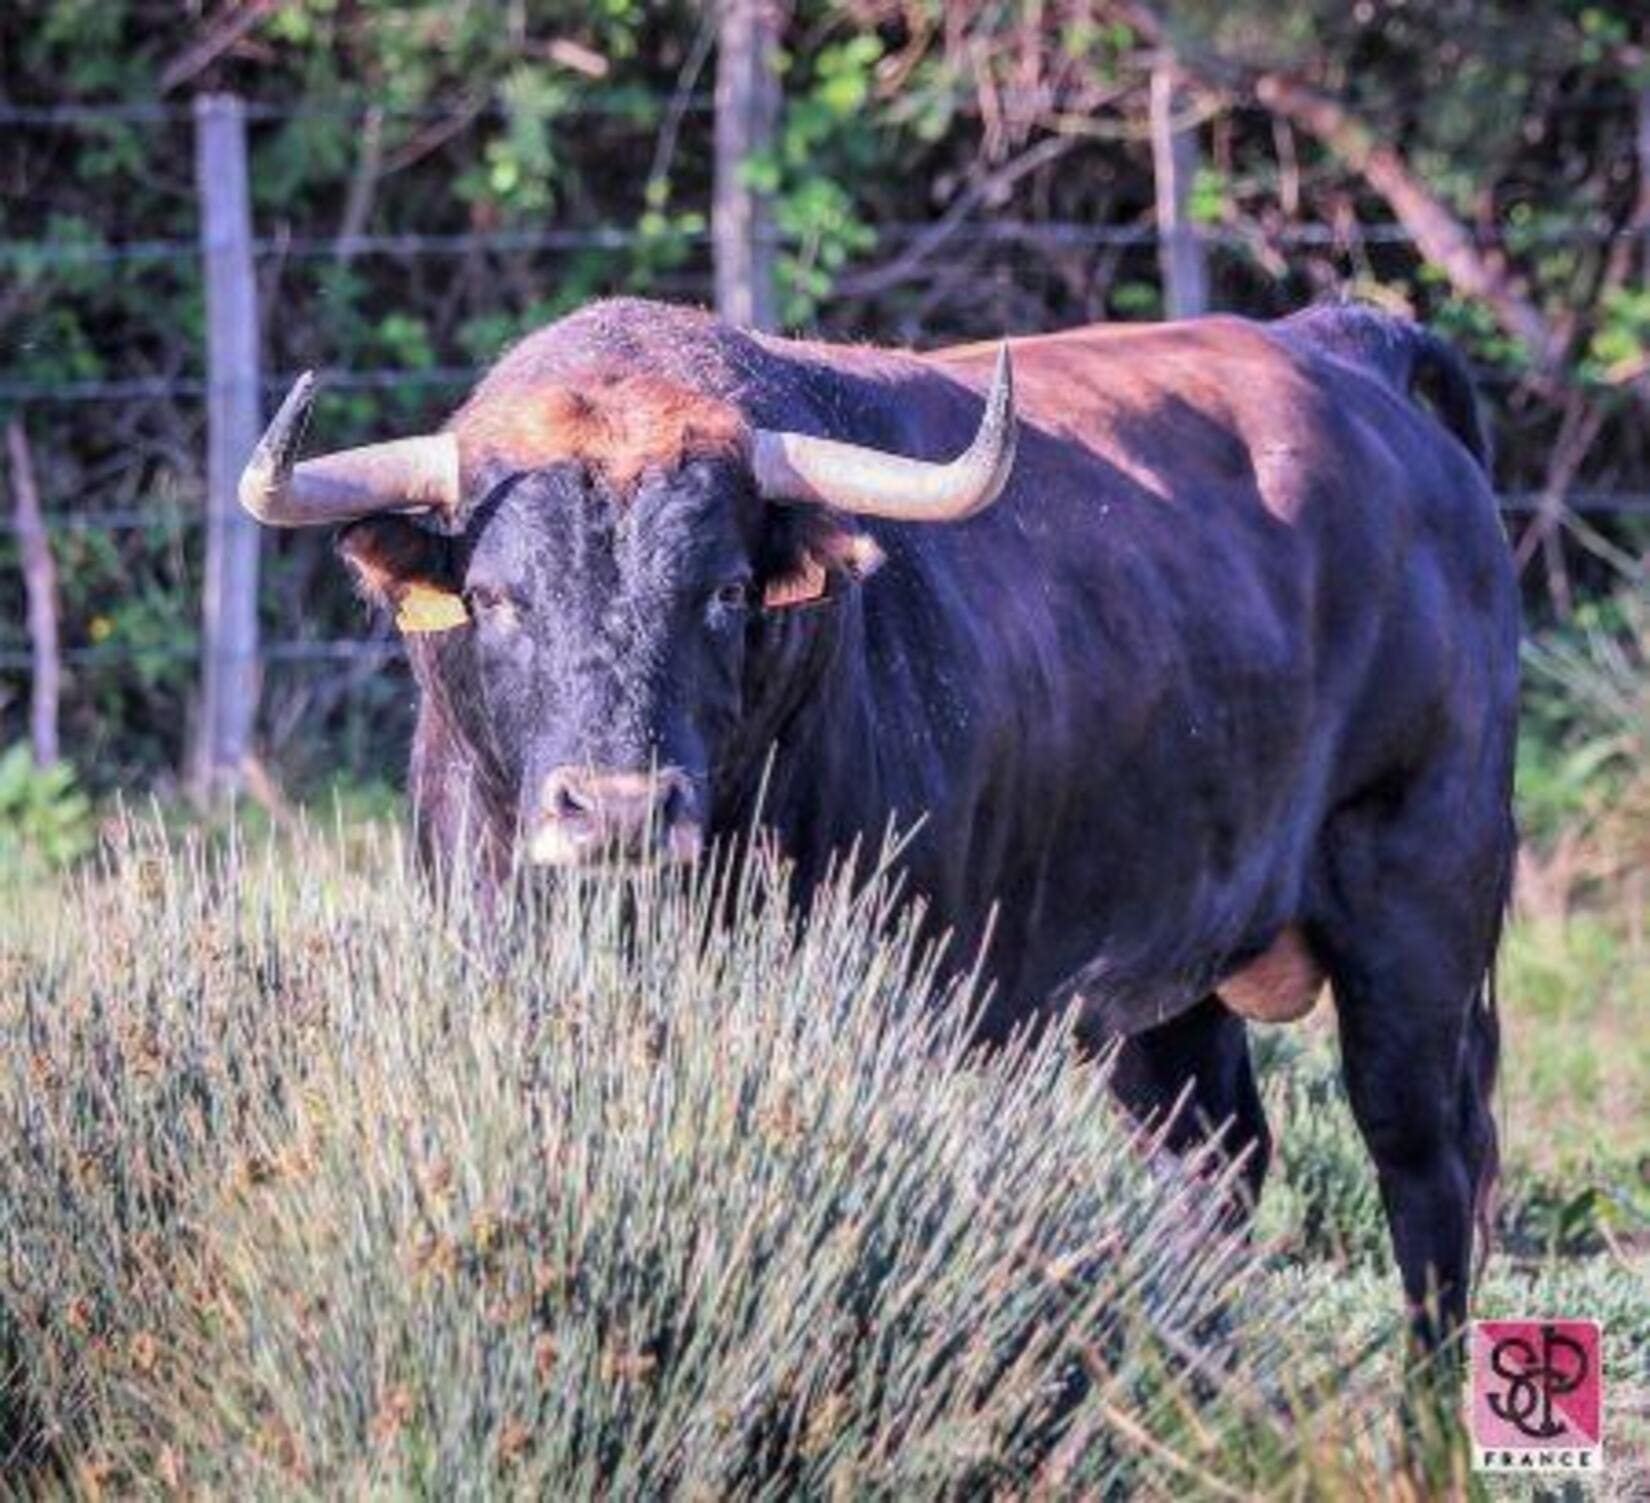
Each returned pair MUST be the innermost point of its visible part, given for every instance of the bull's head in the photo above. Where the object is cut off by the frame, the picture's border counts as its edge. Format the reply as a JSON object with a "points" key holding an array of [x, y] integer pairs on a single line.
{"points": [[602, 583]]}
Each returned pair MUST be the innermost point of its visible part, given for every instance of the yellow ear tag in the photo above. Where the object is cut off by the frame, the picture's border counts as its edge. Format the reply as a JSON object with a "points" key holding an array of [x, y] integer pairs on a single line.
{"points": [[422, 607]]}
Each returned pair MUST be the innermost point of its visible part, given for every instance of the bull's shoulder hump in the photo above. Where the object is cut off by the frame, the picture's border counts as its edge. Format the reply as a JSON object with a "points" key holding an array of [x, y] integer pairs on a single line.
{"points": [[1103, 382], [1131, 365], [1214, 336]]}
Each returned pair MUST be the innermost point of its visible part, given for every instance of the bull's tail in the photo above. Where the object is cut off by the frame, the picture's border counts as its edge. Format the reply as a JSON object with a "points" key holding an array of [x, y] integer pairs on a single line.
{"points": [[1481, 1048], [1440, 374], [1413, 359]]}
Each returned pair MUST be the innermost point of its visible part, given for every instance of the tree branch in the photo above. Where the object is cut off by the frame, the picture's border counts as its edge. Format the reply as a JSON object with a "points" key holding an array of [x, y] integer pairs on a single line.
{"points": [[880, 278], [664, 148], [363, 183], [1576, 435], [1439, 233], [223, 34]]}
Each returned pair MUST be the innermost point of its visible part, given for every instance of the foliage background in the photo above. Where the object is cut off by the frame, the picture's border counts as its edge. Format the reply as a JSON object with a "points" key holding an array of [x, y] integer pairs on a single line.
{"points": [[943, 172], [433, 179]]}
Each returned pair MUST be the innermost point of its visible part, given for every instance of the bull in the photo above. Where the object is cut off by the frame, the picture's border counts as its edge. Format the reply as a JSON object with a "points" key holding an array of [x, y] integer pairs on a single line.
{"points": [[1193, 647]]}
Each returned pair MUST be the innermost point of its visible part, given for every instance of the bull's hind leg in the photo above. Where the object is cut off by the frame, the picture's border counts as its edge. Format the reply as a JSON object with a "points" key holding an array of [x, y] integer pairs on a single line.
{"points": [[1408, 914], [1192, 1078]]}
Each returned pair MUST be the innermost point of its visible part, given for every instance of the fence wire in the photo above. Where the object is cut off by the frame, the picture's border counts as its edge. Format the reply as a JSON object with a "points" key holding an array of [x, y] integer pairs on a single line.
{"points": [[186, 511], [45, 255], [346, 650], [153, 388], [123, 654], [142, 388], [640, 102]]}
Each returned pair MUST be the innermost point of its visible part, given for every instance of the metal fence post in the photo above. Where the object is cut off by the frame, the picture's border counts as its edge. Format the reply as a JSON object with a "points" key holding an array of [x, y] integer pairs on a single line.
{"points": [[229, 618]]}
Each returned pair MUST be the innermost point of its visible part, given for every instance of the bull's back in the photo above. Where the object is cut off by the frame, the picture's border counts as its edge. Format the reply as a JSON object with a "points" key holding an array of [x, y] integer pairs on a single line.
{"points": [[1244, 480], [1237, 568]]}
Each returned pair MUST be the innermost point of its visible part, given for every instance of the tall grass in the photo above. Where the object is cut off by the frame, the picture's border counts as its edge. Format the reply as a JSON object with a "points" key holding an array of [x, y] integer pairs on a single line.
{"points": [[1585, 765], [309, 1185]]}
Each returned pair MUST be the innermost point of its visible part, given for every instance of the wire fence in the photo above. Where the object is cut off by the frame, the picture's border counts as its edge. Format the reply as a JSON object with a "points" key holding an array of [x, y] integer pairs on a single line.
{"points": [[140, 388], [47, 255], [640, 101], [189, 512], [122, 654], [186, 510], [157, 388]]}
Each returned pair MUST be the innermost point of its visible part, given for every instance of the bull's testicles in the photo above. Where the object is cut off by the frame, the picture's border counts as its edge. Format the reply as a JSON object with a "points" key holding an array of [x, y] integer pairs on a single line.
{"points": [[1280, 986]]}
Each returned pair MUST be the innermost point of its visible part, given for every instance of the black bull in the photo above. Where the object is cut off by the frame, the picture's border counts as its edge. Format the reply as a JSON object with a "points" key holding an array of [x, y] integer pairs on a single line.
{"points": [[1217, 699]]}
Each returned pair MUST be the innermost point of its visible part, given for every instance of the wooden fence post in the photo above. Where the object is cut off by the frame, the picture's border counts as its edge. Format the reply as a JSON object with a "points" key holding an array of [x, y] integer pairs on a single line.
{"points": [[40, 585], [1174, 165], [229, 624], [747, 124]]}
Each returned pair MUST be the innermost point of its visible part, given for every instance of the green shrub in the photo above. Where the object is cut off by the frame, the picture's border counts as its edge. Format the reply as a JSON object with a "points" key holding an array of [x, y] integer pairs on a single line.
{"points": [[1321, 1199], [45, 820], [309, 1187], [1586, 742]]}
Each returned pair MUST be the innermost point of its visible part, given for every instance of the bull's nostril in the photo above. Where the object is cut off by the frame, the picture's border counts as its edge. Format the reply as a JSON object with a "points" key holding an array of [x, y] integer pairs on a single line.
{"points": [[587, 816], [569, 803]]}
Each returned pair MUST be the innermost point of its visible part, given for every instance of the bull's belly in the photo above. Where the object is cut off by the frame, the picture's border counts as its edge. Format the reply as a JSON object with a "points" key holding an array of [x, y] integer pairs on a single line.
{"points": [[1156, 959], [1280, 985]]}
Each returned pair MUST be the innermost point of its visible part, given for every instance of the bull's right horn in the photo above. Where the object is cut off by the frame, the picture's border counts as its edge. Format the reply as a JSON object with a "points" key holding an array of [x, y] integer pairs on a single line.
{"points": [[800, 467], [405, 474]]}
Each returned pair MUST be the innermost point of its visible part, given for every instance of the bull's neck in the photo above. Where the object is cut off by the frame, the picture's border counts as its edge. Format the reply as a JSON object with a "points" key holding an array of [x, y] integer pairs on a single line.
{"points": [[808, 766], [462, 812]]}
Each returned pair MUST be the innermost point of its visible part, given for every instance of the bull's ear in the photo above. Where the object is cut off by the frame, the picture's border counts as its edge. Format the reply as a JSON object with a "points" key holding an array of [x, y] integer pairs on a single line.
{"points": [[820, 553], [406, 570]]}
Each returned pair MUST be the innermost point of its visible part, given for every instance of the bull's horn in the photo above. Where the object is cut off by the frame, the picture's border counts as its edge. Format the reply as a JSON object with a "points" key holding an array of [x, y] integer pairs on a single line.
{"points": [[798, 467], [405, 474]]}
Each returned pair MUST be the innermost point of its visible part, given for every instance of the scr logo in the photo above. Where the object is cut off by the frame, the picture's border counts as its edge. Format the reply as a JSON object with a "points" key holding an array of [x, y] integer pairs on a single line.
{"points": [[1537, 1395]]}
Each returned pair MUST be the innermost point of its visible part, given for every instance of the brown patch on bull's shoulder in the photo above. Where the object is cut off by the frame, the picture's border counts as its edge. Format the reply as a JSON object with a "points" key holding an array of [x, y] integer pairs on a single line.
{"points": [[620, 423], [1278, 986]]}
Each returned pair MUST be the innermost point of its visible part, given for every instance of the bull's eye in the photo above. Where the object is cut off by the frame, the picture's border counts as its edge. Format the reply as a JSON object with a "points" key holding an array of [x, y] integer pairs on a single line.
{"points": [[491, 602], [734, 595]]}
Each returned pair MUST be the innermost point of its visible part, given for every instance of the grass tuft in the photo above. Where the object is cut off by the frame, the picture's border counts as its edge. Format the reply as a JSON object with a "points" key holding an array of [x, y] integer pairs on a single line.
{"points": [[308, 1186]]}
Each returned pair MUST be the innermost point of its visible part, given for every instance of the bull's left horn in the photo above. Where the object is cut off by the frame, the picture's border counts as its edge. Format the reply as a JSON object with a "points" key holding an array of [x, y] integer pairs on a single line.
{"points": [[798, 467], [405, 474]]}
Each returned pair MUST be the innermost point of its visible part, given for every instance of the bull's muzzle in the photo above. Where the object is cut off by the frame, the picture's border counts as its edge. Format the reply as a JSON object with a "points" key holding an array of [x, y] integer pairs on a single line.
{"points": [[587, 816]]}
